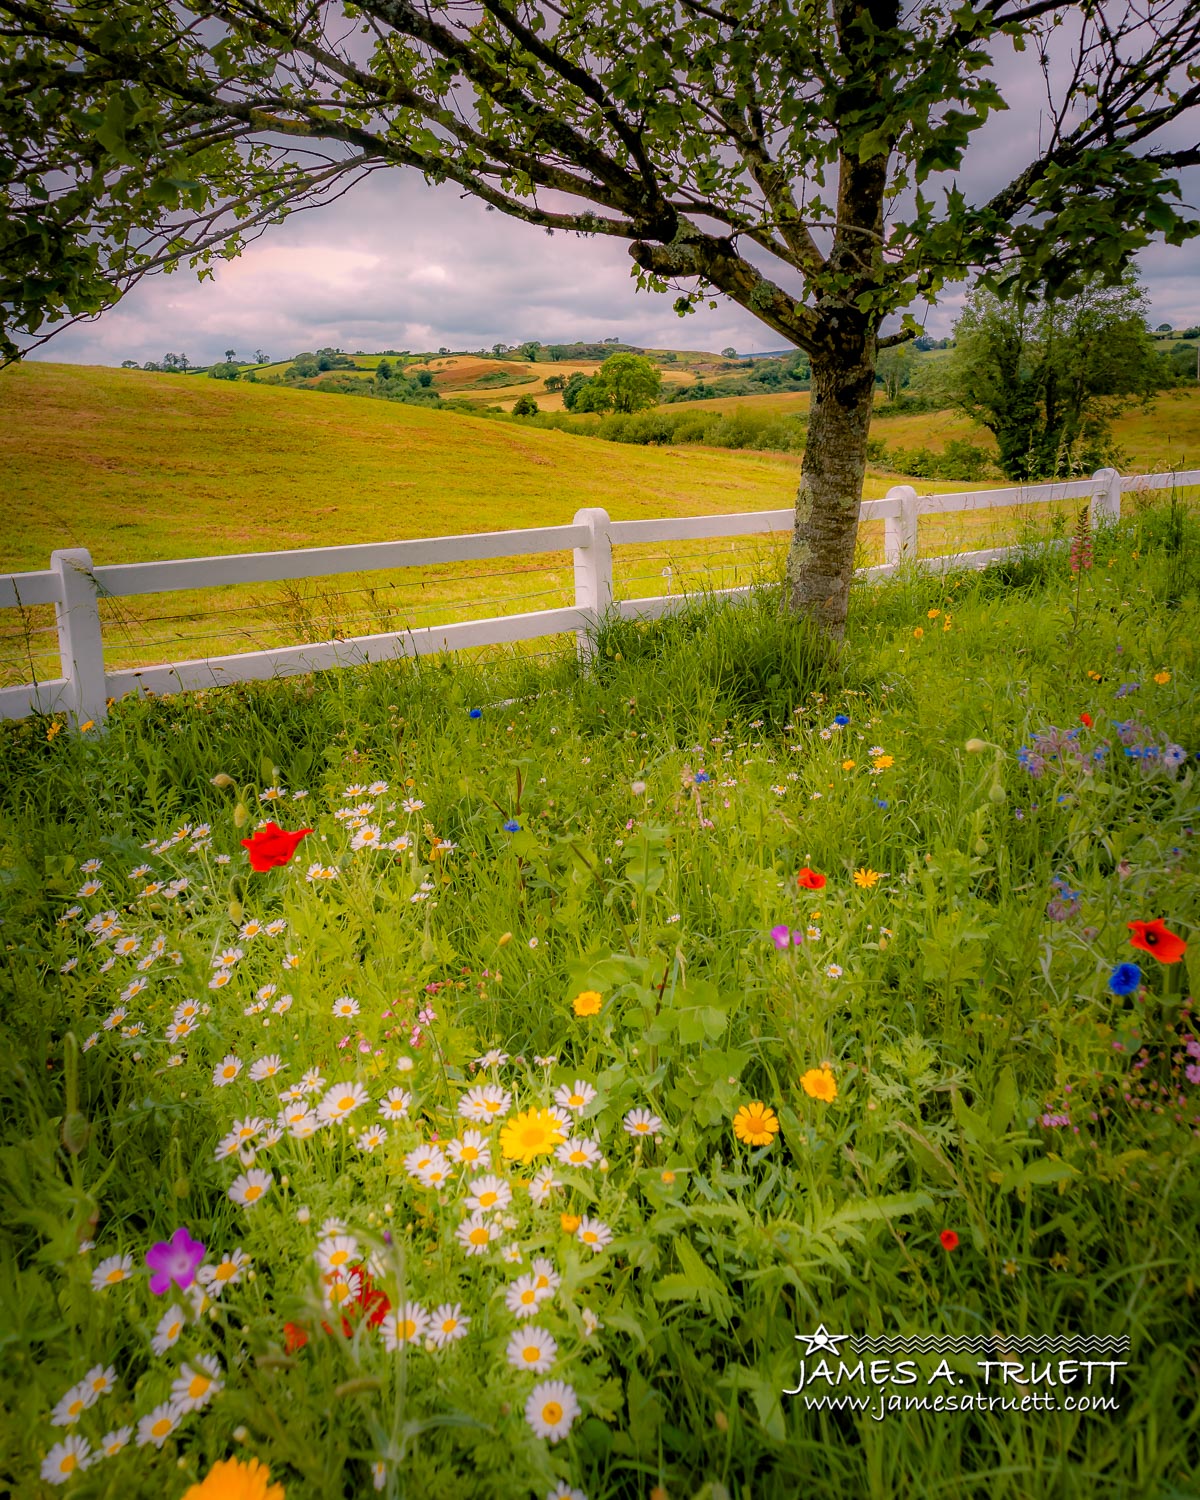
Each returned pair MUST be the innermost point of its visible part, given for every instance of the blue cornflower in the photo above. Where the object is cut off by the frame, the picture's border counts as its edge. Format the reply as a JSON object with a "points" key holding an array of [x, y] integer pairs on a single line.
{"points": [[841, 720], [1126, 688], [475, 713], [512, 826], [881, 802], [1124, 979], [700, 777], [1174, 755]]}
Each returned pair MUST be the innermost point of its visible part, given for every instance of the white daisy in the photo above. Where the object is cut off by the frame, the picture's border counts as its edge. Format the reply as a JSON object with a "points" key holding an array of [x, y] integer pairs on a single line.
{"points": [[574, 1096], [579, 1151], [345, 1005], [266, 1067], [158, 1425], [477, 1233], [531, 1349], [551, 1409], [371, 1138], [341, 1100], [408, 1326], [542, 1184], [447, 1324], [395, 1104], [73, 1405], [112, 1442], [197, 1383], [250, 1187], [524, 1297], [594, 1234], [472, 1150], [485, 1103], [225, 1272], [167, 1332], [111, 1271], [66, 1459], [642, 1122], [487, 1194]]}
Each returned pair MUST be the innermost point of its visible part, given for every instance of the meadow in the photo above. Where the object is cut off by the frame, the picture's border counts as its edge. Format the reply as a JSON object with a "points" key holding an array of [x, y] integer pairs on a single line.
{"points": [[585, 1038], [138, 466]]}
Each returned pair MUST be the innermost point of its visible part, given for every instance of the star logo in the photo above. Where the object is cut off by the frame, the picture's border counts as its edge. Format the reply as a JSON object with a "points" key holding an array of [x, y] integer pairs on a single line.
{"points": [[822, 1340]]}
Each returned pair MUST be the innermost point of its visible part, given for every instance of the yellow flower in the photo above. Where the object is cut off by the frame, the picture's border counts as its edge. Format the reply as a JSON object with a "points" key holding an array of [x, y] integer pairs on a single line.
{"points": [[933, 614], [668, 1178], [505, 937], [534, 1133], [587, 1003], [819, 1083], [755, 1124], [847, 765], [91, 723], [883, 762], [54, 729], [1162, 678], [865, 879], [570, 1222], [233, 1479], [918, 632]]}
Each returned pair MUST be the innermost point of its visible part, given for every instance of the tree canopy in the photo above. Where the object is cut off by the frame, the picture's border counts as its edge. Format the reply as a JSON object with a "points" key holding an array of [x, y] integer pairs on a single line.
{"points": [[803, 157]]}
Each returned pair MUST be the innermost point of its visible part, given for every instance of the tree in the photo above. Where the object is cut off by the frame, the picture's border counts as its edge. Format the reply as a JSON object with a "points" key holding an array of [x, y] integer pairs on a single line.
{"points": [[529, 350], [629, 382], [383, 370], [894, 369], [807, 160], [260, 358], [230, 356], [424, 379], [574, 384], [554, 382], [1164, 328], [525, 406], [129, 364], [729, 353], [1046, 378]]}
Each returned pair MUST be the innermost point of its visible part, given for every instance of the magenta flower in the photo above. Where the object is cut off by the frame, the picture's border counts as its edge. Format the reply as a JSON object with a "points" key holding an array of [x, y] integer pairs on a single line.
{"points": [[781, 936], [174, 1260]]}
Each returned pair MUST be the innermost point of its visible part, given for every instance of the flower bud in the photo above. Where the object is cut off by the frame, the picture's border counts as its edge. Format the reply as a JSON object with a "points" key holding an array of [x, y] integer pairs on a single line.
{"points": [[975, 746], [222, 780], [997, 794], [241, 815]]}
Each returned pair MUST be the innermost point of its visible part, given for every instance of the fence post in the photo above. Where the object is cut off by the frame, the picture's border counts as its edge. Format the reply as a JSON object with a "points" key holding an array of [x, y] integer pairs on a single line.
{"points": [[1106, 498], [593, 576], [80, 643], [900, 529]]}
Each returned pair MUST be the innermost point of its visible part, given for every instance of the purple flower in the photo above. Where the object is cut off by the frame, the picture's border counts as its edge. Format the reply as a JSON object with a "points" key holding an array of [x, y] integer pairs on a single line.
{"points": [[174, 1260], [475, 713], [781, 936], [512, 826]]}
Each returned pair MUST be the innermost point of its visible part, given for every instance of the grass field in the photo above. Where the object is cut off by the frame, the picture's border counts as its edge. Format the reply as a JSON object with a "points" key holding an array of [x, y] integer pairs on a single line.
{"points": [[604, 1038], [136, 466]]}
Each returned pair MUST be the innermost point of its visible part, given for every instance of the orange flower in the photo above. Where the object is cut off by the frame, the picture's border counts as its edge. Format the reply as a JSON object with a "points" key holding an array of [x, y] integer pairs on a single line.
{"points": [[755, 1124], [233, 1479], [570, 1222], [587, 1003], [819, 1083], [1154, 938], [918, 632]]}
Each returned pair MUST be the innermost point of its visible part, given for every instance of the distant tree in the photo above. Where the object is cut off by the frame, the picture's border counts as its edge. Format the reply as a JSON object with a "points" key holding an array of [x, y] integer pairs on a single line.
{"points": [[185, 363], [230, 356], [894, 368], [1191, 333], [443, 350], [525, 406], [1047, 377], [226, 371], [1164, 328], [170, 362], [555, 382], [529, 350], [303, 367], [383, 370], [499, 349], [574, 384], [129, 364], [260, 358], [152, 364], [729, 353], [593, 395], [631, 381], [424, 378], [611, 341]]}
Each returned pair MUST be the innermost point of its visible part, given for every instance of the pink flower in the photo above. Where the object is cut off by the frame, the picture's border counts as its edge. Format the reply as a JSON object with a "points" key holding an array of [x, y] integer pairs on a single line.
{"points": [[174, 1260]]}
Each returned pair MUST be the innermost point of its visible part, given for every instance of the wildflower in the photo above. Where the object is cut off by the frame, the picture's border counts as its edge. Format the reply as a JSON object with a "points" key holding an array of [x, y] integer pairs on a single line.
{"points": [[266, 1067], [531, 1349], [336, 1253], [158, 1425], [551, 1409], [477, 1233], [174, 1261], [918, 633], [486, 1194], [196, 1385], [72, 1406], [810, 880], [524, 1296], [578, 1152], [833, 971], [166, 1334], [883, 762], [594, 1234], [755, 1124], [236, 1479], [948, 1240], [534, 1133], [566, 1492], [247, 1189], [866, 879], [114, 1269], [819, 1083], [227, 1272], [1086, 720], [371, 1138], [1155, 938], [485, 1103], [848, 765], [471, 1150], [575, 1098], [1010, 1268], [112, 1442], [542, 1184], [341, 1100], [71, 1455], [1162, 678], [272, 846], [1125, 979], [640, 1122], [569, 1222], [841, 720], [587, 1003], [408, 1326], [512, 826], [447, 1324], [395, 1104]]}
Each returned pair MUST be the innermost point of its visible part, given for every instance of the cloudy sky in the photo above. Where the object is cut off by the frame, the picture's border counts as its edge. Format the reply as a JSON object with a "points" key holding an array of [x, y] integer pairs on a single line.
{"points": [[398, 264]]}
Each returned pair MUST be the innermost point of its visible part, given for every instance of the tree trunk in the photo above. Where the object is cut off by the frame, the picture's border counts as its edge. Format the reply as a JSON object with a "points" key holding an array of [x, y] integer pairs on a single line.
{"points": [[821, 560]]}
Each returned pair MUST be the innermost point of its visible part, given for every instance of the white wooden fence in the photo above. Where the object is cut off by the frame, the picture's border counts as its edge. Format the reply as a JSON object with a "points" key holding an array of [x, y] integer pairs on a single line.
{"points": [[74, 586]]}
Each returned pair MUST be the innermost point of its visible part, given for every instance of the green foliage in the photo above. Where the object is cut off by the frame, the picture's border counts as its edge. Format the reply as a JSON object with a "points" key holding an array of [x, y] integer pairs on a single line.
{"points": [[525, 406], [667, 798], [1047, 378]]}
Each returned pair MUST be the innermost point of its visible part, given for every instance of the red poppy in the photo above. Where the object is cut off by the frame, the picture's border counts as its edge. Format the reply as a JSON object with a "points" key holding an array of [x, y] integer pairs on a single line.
{"points": [[272, 846], [1086, 720], [810, 880], [949, 1239], [294, 1337], [1153, 937]]}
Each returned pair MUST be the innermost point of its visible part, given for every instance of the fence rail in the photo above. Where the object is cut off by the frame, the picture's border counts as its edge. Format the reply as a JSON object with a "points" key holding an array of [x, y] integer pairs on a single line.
{"points": [[74, 586]]}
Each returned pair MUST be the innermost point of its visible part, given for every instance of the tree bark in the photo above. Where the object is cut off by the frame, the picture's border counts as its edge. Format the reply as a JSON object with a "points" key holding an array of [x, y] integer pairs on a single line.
{"points": [[821, 559]]}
